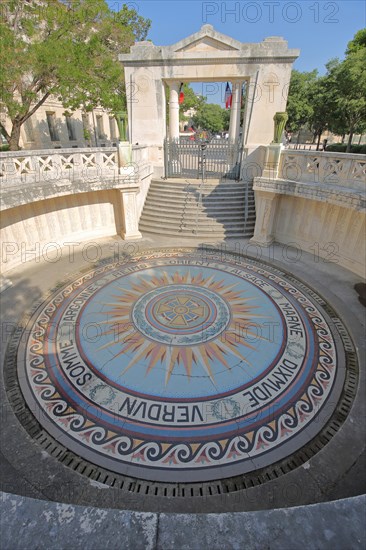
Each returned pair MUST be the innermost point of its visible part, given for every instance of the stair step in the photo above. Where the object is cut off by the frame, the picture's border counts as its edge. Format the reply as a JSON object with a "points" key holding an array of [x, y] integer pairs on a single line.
{"points": [[198, 183], [204, 188], [170, 210], [190, 185], [195, 196], [193, 221], [176, 229], [191, 225], [237, 231], [200, 212], [209, 203], [192, 202], [189, 234], [226, 210], [197, 186]]}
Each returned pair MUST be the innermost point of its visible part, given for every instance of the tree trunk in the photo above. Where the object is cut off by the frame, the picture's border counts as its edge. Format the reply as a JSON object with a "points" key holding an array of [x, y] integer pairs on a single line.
{"points": [[15, 136], [343, 136], [17, 123], [349, 141], [318, 142], [298, 137]]}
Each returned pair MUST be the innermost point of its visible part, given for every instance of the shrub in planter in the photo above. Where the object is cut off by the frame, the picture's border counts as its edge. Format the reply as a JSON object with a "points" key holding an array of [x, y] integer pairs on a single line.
{"points": [[341, 148]]}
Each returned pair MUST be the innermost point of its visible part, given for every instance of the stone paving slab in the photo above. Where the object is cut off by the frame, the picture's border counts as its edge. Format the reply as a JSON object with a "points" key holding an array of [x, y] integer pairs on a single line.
{"points": [[34, 524]]}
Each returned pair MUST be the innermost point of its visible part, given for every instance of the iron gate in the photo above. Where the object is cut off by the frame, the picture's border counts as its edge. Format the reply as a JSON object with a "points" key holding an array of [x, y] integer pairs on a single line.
{"points": [[201, 159]]}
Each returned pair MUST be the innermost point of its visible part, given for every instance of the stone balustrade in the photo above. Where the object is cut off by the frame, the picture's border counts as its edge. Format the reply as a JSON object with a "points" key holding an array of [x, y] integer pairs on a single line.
{"points": [[27, 176], [314, 201], [58, 166], [337, 169], [55, 165], [140, 154], [62, 195]]}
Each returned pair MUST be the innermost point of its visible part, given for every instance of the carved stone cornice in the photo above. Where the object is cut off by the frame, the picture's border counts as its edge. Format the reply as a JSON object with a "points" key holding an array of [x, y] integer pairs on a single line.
{"points": [[206, 61], [341, 196], [17, 196]]}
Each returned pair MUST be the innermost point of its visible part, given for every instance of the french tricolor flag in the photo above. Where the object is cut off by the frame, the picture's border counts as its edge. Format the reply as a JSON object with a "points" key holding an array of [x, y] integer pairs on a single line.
{"points": [[228, 96], [181, 94]]}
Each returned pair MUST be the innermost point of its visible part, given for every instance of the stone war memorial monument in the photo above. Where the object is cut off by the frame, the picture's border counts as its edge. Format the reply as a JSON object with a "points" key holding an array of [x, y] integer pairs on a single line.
{"points": [[204, 351], [207, 56]]}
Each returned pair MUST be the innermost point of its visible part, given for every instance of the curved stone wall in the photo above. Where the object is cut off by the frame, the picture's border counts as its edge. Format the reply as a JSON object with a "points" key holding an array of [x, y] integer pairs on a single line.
{"points": [[315, 203], [64, 197], [331, 233], [42, 227]]}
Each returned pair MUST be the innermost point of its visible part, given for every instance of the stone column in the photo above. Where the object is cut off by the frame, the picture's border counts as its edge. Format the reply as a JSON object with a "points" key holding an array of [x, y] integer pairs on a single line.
{"points": [[234, 128], [124, 154], [129, 215], [174, 111], [266, 205], [272, 161]]}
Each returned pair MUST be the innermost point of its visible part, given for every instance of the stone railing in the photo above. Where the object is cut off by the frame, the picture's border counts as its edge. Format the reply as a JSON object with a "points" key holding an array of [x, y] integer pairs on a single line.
{"points": [[54, 165], [313, 201], [118, 176], [336, 169], [64, 166], [140, 154], [71, 195]]}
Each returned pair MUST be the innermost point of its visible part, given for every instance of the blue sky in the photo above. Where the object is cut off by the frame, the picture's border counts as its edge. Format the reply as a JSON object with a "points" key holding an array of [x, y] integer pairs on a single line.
{"points": [[320, 29]]}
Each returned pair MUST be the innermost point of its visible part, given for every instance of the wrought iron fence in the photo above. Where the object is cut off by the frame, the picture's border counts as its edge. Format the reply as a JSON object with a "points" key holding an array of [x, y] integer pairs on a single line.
{"points": [[201, 159]]}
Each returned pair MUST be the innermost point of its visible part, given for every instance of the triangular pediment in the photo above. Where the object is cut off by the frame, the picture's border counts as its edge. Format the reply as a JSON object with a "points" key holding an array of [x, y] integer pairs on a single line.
{"points": [[206, 44], [206, 40]]}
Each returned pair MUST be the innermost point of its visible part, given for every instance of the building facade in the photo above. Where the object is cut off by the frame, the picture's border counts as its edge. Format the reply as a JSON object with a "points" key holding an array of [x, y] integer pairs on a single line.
{"points": [[54, 127]]}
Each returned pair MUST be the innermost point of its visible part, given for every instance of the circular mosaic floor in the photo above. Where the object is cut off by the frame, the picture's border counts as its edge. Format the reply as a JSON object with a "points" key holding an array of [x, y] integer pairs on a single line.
{"points": [[181, 365]]}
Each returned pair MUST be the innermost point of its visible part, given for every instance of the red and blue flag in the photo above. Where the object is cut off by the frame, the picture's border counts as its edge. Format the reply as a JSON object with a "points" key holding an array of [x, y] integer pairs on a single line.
{"points": [[228, 96]]}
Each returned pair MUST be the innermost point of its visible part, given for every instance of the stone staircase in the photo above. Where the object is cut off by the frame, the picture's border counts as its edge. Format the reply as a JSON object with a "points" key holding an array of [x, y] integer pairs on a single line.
{"points": [[213, 210]]}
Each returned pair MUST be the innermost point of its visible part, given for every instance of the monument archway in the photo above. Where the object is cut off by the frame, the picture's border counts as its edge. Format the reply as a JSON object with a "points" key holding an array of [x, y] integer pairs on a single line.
{"points": [[206, 56]]}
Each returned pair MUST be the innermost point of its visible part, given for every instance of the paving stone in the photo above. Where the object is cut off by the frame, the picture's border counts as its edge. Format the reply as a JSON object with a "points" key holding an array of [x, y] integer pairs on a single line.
{"points": [[317, 527], [28, 523]]}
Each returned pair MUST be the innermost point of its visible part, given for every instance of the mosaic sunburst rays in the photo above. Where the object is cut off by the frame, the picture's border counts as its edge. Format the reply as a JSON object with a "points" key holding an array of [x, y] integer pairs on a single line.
{"points": [[174, 319]]}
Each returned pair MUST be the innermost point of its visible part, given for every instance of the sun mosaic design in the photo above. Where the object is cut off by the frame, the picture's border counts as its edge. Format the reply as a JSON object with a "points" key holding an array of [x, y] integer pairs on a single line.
{"points": [[173, 312], [178, 365]]}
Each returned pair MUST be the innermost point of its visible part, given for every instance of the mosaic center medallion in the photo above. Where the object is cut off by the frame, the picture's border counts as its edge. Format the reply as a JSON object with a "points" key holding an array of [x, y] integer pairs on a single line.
{"points": [[183, 314], [178, 365]]}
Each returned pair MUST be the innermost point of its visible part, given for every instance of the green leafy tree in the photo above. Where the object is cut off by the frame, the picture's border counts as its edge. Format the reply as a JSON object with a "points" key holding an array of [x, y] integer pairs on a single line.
{"points": [[336, 101], [299, 108], [191, 101], [226, 119], [322, 98], [349, 78], [66, 49], [210, 117], [357, 43]]}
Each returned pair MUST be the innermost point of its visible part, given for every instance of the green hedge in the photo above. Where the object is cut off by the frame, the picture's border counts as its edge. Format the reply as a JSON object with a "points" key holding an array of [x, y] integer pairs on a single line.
{"points": [[341, 148], [4, 147]]}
